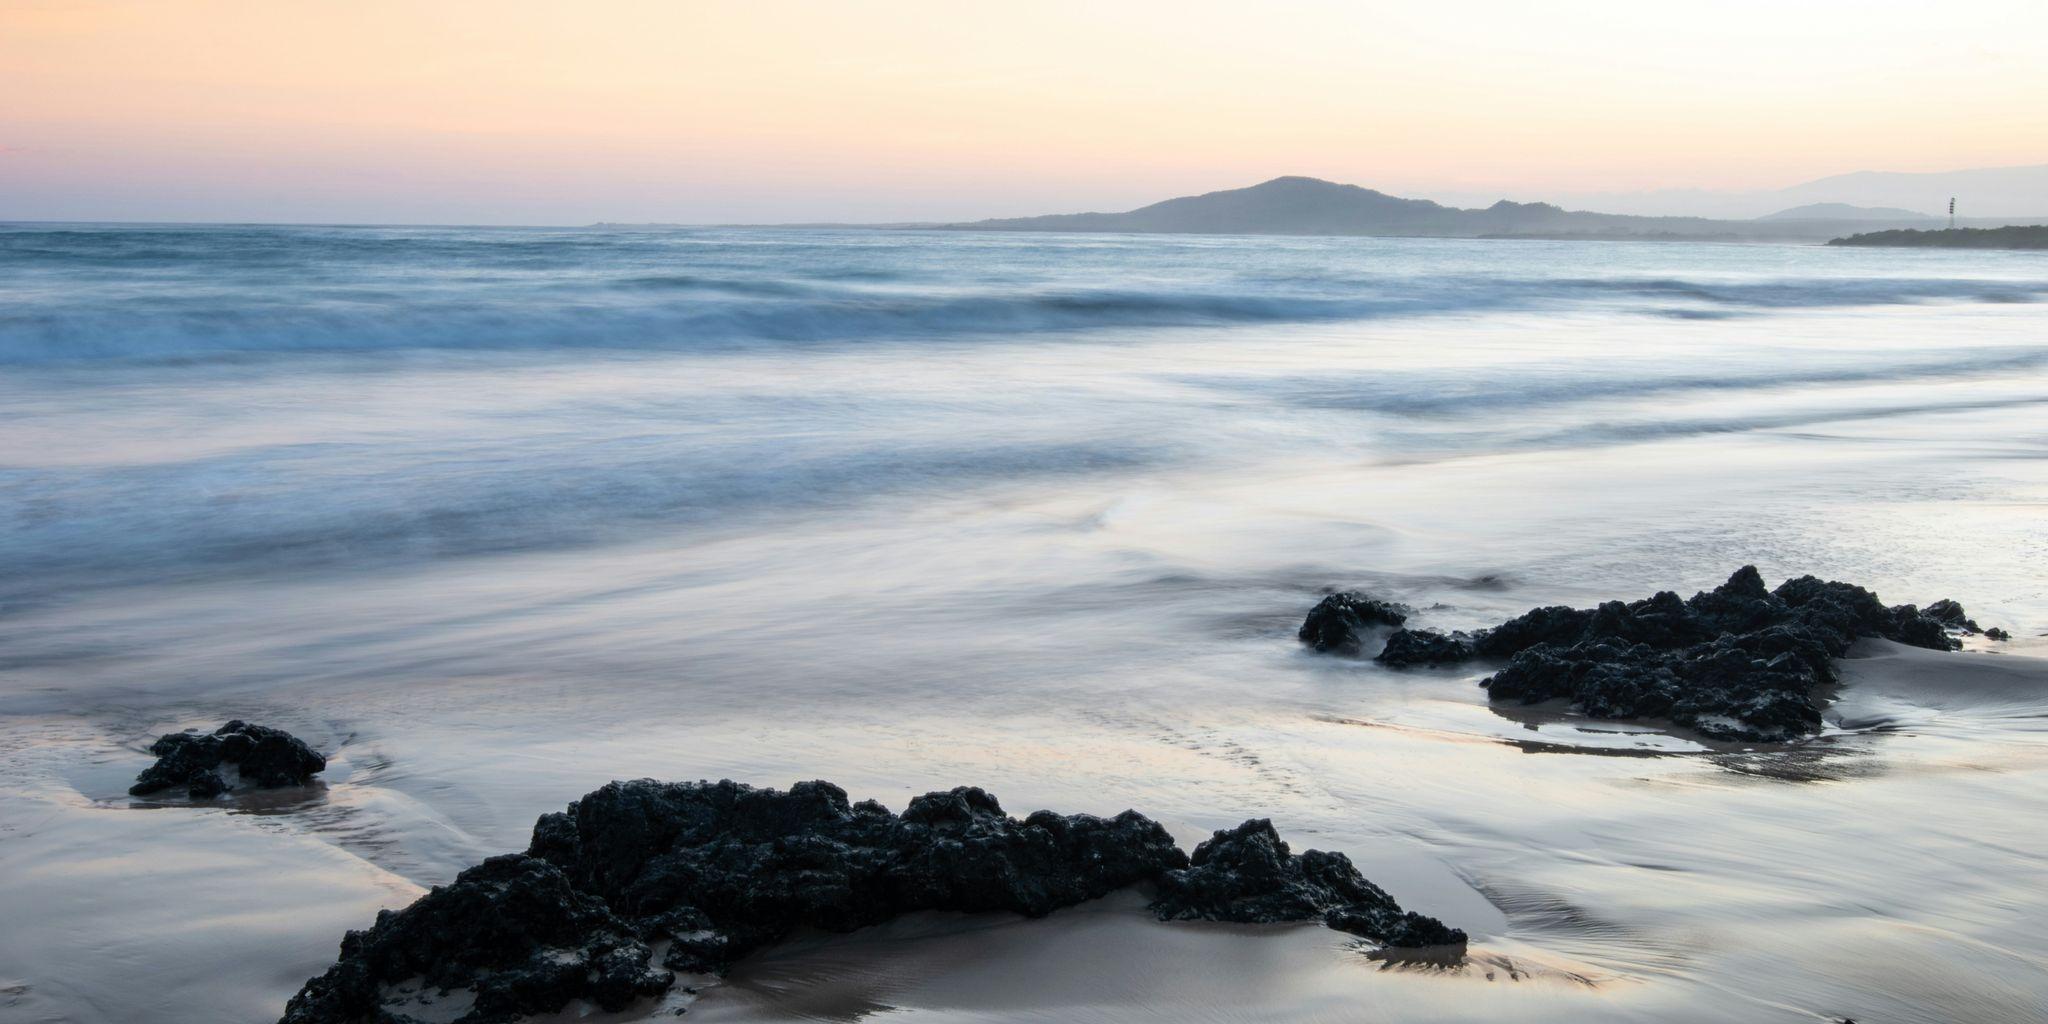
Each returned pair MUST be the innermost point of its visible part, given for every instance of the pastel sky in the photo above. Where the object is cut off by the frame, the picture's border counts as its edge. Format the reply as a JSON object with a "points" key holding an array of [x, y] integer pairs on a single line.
{"points": [[549, 111]]}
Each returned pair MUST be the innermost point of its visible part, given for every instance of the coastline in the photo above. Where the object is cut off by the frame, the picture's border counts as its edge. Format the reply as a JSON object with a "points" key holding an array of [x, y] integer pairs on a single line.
{"points": [[1105, 960]]}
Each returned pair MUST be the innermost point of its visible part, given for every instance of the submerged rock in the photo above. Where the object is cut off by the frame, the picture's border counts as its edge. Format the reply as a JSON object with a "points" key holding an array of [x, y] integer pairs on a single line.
{"points": [[1248, 874], [1339, 621], [714, 871], [1739, 662], [260, 756]]}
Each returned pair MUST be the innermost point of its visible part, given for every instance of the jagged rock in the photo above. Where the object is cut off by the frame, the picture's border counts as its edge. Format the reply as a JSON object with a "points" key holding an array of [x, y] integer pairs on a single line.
{"points": [[1338, 622], [754, 863], [512, 930], [1850, 611], [1752, 686], [1555, 624], [1423, 647], [716, 870], [1995, 633], [260, 756], [1738, 662], [1951, 614], [1248, 874]]}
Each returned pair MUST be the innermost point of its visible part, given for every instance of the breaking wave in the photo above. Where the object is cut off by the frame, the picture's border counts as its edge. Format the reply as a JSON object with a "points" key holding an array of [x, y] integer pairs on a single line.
{"points": [[85, 295]]}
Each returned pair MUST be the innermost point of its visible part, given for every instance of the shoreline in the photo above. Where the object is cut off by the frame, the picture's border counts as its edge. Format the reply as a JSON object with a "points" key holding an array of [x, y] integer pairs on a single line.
{"points": [[943, 965]]}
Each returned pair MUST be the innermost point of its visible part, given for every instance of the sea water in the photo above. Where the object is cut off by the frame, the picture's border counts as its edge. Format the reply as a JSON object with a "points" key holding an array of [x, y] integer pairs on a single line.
{"points": [[498, 515]]}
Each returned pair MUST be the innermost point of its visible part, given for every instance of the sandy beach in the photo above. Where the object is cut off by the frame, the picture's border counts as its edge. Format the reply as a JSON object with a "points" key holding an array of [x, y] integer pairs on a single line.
{"points": [[1601, 880]]}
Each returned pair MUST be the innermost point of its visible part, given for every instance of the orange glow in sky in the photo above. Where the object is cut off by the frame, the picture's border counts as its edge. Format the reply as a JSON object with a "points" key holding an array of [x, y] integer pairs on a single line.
{"points": [[553, 112]]}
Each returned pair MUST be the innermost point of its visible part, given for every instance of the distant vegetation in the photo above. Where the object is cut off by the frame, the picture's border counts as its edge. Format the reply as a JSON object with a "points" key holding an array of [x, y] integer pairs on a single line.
{"points": [[2033, 236]]}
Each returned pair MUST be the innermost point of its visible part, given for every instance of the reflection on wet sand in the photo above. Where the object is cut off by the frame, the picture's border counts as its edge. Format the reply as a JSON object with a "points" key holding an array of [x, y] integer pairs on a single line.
{"points": [[1477, 964]]}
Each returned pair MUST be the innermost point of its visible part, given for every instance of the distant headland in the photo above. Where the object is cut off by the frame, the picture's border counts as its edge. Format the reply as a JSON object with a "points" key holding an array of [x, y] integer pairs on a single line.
{"points": [[1296, 205], [2030, 236]]}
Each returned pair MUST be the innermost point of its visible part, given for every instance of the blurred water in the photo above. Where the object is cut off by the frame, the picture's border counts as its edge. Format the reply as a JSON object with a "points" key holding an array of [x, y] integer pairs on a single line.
{"points": [[501, 514], [181, 293]]}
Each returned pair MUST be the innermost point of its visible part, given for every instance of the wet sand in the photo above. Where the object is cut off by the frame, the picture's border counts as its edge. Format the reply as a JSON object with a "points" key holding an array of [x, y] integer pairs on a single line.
{"points": [[1890, 867]]}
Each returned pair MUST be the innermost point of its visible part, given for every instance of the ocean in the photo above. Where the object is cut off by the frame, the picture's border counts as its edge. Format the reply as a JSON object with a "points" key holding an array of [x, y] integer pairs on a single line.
{"points": [[497, 515]]}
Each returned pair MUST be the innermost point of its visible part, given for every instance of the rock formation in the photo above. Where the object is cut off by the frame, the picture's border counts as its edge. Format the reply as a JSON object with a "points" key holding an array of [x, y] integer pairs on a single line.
{"points": [[236, 753], [640, 880], [1739, 662]]}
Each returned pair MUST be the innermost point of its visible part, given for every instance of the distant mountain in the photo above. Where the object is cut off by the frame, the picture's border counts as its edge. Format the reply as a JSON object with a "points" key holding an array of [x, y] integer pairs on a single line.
{"points": [[1310, 206], [1845, 212], [1287, 205]]}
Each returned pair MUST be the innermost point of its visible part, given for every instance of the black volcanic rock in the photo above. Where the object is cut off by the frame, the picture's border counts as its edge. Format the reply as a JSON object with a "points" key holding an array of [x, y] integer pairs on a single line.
{"points": [[1749, 686], [1248, 874], [1742, 604], [754, 863], [1338, 622], [1736, 663], [1555, 624], [1851, 611], [513, 930], [717, 870], [262, 757], [1739, 662], [1423, 647], [1951, 614]]}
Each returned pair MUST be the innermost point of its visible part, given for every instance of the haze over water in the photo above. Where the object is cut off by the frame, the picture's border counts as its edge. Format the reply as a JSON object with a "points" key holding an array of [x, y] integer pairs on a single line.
{"points": [[499, 515]]}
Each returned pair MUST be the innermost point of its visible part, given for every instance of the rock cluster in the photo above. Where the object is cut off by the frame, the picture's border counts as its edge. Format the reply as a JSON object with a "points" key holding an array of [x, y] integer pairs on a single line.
{"points": [[260, 756], [1739, 662], [642, 879], [1248, 874]]}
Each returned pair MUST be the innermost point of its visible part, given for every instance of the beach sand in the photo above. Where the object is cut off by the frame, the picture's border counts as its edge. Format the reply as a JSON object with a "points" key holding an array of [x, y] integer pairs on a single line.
{"points": [[156, 911]]}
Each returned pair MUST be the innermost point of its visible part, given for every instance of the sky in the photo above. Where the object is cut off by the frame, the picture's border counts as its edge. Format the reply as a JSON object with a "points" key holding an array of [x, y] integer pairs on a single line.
{"points": [[552, 112]]}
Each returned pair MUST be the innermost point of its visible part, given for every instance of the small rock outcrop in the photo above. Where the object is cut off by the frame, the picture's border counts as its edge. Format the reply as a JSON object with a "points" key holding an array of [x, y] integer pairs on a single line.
{"points": [[1339, 622], [712, 871], [1739, 662], [210, 764], [1248, 874]]}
